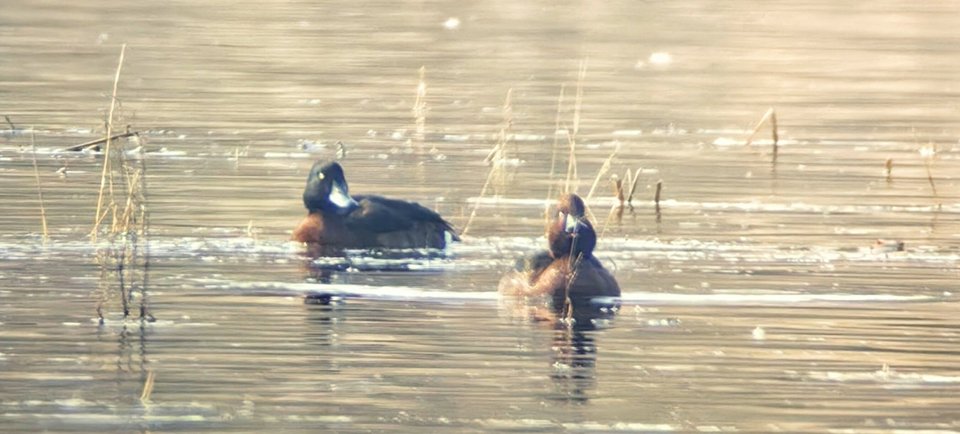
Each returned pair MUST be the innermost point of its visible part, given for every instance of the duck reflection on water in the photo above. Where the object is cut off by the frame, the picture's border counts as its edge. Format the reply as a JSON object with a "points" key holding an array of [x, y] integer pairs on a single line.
{"points": [[567, 287]]}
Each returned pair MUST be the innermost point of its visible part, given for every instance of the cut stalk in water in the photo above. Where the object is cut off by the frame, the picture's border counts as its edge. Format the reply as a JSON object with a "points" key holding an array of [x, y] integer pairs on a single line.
{"points": [[147, 387], [775, 134], [618, 187], [769, 116], [928, 152], [656, 199], [633, 185], [36, 174], [889, 166], [106, 154]]}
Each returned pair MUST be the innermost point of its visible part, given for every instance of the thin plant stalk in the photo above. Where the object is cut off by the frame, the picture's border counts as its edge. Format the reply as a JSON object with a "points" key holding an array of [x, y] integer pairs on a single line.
{"points": [[420, 105], [556, 133], [106, 153], [633, 186], [572, 136], [36, 174], [147, 387]]}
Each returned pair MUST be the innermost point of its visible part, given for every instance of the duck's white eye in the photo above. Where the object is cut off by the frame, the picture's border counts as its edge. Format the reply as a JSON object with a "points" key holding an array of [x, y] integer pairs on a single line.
{"points": [[320, 176]]}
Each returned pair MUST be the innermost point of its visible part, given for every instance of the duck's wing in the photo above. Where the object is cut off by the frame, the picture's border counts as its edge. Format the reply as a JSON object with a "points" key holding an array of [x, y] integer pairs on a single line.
{"points": [[378, 214]]}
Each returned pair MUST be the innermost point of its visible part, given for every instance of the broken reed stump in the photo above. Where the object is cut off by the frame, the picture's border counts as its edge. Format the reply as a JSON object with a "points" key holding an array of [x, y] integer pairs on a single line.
{"points": [[656, 199], [769, 116], [889, 166], [619, 186]]}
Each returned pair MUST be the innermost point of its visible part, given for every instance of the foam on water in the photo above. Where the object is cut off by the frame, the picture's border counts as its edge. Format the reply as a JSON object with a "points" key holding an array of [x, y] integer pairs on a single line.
{"points": [[401, 293]]}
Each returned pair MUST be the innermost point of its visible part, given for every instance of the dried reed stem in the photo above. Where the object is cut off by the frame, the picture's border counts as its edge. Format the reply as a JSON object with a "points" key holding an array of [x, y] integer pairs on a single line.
{"points": [[147, 387], [420, 105], [496, 157], [546, 208], [36, 174], [556, 133], [927, 163], [476, 205], [573, 272], [603, 170], [656, 199], [775, 135], [618, 187], [633, 185], [756, 129], [572, 136], [769, 116], [889, 168], [106, 154]]}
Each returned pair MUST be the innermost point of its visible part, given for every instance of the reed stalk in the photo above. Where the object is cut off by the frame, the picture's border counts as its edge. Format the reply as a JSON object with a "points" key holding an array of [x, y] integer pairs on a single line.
{"points": [[656, 199], [420, 105], [556, 133], [36, 174], [572, 136], [148, 387], [496, 158], [106, 154], [771, 117], [618, 187], [633, 185], [604, 168], [928, 165]]}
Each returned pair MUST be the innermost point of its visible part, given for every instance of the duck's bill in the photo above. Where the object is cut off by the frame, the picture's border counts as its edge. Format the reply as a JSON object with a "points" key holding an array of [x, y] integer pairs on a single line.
{"points": [[340, 198], [570, 224]]}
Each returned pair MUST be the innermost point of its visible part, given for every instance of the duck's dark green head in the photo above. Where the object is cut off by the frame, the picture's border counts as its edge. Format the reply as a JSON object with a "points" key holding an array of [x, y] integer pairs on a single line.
{"points": [[327, 190]]}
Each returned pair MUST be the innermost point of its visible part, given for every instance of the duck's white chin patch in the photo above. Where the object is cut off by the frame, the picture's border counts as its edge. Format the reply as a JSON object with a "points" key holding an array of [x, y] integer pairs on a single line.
{"points": [[570, 224], [340, 198]]}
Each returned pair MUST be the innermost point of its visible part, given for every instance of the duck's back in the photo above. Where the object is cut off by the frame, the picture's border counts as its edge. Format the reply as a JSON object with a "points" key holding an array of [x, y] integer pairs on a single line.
{"points": [[396, 223]]}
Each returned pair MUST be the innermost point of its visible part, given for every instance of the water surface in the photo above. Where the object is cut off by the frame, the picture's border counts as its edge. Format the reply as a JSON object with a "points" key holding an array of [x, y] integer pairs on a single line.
{"points": [[753, 302]]}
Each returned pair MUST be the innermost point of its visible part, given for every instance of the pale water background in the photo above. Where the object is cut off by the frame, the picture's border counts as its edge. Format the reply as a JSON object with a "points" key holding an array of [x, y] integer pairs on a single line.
{"points": [[755, 304]]}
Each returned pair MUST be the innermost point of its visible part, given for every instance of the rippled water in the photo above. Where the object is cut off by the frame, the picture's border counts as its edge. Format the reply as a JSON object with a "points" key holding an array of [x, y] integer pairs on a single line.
{"points": [[755, 301]]}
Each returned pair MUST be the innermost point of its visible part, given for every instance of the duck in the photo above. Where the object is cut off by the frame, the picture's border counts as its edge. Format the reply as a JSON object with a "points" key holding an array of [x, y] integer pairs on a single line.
{"points": [[335, 219], [567, 270]]}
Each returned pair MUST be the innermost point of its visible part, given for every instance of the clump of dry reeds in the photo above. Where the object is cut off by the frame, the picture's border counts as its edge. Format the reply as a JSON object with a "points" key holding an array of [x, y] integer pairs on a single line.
{"points": [[624, 196], [122, 201]]}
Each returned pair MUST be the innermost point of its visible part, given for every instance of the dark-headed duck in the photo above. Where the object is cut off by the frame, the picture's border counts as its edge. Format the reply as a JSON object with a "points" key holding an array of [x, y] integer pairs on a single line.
{"points": [[568, 268], [337, 219]]}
